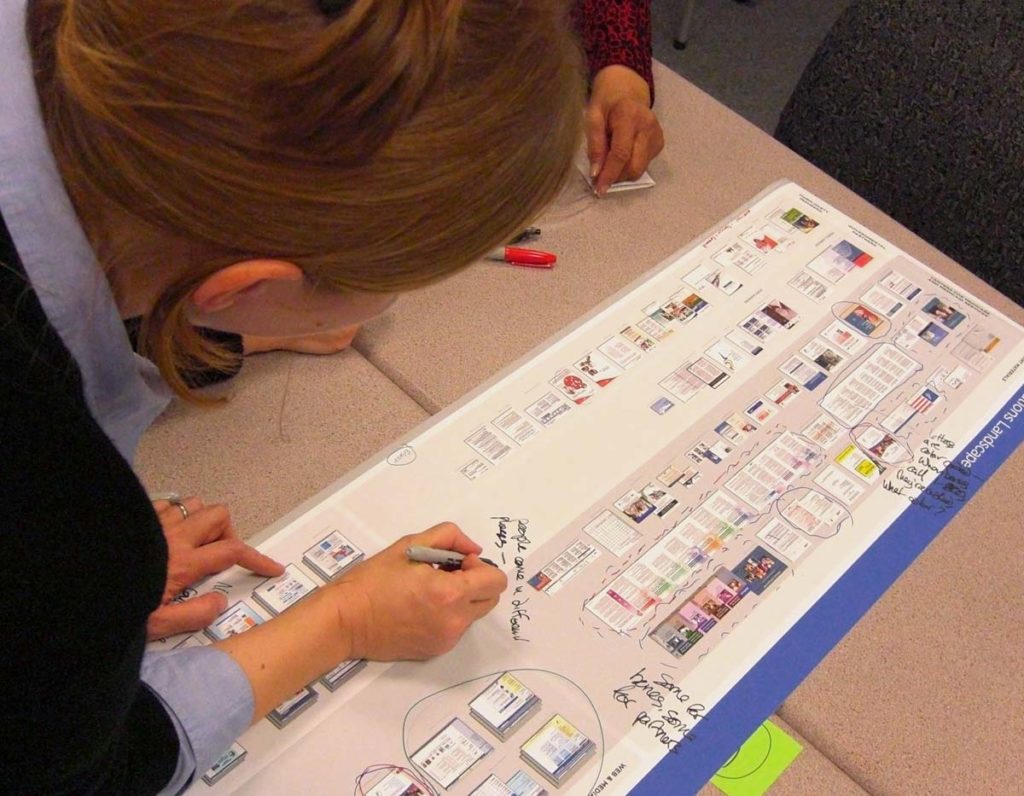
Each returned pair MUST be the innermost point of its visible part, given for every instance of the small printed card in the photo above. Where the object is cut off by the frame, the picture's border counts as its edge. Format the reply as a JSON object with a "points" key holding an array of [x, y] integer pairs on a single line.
{"points": [[492, 786], [281, 593], [236, 619], [645, 180], [292, 707], [396, 783], [451, 752], [194, 640], [503, 705], [225, 763], [342, 673], [556, 749], [522, 784], [332, 555]]}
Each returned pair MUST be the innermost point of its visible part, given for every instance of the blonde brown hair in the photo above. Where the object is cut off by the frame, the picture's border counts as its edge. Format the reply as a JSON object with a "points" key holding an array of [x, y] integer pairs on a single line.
{"points": [[380, 147]]}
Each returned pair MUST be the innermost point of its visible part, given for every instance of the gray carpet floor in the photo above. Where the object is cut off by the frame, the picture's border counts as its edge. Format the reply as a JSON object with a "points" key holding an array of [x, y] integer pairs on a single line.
{"points": [[747, 55]]}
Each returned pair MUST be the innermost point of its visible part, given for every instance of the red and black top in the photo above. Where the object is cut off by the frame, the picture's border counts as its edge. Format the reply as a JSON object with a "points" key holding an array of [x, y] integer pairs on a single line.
{"points": [[616, 32]]}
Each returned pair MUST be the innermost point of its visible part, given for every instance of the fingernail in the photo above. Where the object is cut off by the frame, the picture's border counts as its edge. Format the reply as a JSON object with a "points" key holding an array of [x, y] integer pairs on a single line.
{"points": [[595, 169], [222, 601]]}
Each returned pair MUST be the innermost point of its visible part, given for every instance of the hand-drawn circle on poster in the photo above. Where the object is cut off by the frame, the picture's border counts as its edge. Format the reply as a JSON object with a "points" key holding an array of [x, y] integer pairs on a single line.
{"points": [[813, 512], [402, 456], [866, 320], [880, 445]]}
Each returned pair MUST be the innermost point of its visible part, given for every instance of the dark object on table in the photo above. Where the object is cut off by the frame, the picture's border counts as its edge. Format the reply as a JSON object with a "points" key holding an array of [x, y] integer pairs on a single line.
{"points": [[916, 106]]}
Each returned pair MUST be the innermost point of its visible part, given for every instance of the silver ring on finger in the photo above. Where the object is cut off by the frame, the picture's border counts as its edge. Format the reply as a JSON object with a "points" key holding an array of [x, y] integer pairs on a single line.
{"points": [[176, 501]]}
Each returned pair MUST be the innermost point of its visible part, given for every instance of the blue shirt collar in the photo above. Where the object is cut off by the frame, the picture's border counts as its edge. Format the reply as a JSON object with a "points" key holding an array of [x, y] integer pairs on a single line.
{"points": [[124, 392]]}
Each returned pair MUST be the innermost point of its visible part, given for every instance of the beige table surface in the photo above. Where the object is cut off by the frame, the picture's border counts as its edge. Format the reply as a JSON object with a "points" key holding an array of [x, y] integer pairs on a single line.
{"points": [[924, 696], [291, 425]]}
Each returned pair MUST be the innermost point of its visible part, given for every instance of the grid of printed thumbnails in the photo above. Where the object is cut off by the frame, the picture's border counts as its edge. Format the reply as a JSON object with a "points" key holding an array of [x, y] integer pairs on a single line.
{"points": [[556, 750], [724, 273], [893, 308], [587, 377]]}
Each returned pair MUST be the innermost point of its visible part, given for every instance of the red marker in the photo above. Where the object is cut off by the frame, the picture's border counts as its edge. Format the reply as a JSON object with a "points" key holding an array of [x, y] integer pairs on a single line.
{"points": [[530, 258]]}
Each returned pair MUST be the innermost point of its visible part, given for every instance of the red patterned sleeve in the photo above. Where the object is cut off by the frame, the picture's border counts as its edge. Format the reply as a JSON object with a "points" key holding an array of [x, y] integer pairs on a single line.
{"points": [[616, 32]]}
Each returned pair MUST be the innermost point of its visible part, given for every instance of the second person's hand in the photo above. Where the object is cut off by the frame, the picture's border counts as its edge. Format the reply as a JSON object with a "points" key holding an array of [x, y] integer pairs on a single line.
{"points": [[623, 134]]}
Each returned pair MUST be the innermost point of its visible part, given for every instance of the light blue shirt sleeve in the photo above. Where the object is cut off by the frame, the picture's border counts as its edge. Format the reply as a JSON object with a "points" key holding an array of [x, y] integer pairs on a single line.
{"points": [[124, 392], [209, 700]]}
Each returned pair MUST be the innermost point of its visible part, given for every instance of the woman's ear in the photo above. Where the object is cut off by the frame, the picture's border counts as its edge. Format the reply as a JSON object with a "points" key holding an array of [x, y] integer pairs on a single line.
{"points": [[222, 288]]}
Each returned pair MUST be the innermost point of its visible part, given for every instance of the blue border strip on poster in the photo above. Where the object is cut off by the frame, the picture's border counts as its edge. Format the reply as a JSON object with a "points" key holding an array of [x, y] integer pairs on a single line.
{"points": [[762, 689]]}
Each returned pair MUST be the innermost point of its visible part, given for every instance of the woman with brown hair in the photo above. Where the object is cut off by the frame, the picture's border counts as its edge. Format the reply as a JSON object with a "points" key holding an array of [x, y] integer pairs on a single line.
{"points": [[267, 167], [622, 137]]}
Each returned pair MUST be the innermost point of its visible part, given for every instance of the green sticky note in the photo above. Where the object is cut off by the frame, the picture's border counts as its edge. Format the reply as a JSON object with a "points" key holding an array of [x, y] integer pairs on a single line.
{"points": [[758, 763]]}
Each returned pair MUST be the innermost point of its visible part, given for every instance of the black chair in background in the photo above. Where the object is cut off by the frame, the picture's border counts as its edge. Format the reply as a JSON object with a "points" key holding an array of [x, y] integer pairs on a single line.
{"points": [[918, 106]]}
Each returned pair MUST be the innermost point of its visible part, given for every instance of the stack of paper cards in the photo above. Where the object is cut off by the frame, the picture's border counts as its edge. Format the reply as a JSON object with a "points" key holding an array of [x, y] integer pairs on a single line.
{"points": [[288, 710], [236, 619], [504, 705], [332, 555], [225, 763], [645, 180], [522, 784], [451, 753], [342, 673], [397, 783], [492, 786], [557, 749], [282, 593]]}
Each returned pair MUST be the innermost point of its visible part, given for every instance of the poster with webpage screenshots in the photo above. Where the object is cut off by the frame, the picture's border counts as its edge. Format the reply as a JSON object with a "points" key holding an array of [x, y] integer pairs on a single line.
{"points": [[764, 404]]}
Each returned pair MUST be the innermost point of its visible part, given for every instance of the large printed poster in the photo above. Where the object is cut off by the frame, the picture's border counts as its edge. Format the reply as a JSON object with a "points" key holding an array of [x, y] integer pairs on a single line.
{"points": [[671, 485]]}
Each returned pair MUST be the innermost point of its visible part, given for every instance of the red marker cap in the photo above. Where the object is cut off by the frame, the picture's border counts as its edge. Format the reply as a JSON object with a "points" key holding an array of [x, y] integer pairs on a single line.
{"points": [[531, 258]]}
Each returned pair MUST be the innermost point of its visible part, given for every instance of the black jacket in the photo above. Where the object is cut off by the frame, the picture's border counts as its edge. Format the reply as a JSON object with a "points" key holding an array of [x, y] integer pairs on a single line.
{"points": [[84, 563]]}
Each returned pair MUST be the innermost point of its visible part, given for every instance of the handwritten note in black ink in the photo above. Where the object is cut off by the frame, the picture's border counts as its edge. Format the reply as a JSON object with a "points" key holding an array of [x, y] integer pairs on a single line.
{"points": [[666, 710], [512, 540], [931, 481]]}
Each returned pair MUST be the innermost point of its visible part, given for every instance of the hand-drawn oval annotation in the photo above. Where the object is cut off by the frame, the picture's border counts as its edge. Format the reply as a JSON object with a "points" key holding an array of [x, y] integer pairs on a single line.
{"points": [[864, 319], [401, 456]]}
